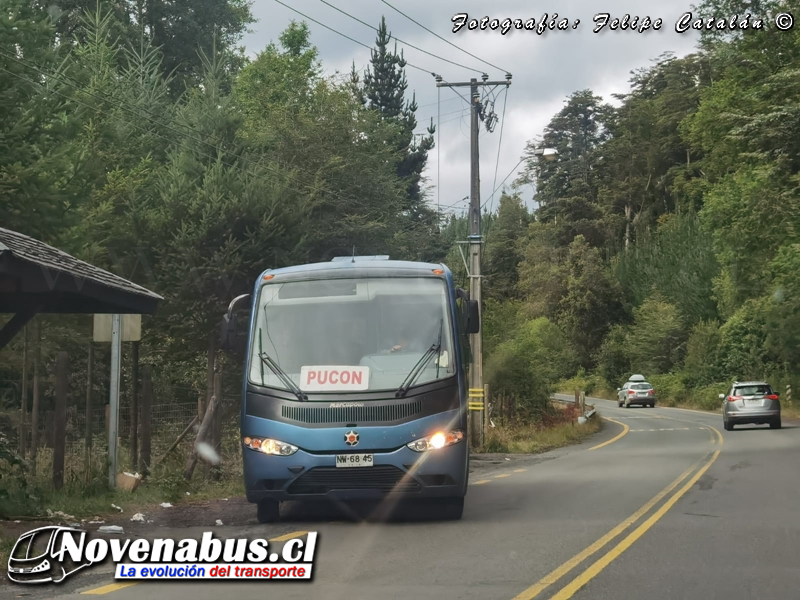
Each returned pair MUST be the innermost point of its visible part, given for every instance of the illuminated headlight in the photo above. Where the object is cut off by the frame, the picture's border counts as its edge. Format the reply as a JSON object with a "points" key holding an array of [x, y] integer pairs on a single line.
{"points": [[273, 447], [438, 440]]}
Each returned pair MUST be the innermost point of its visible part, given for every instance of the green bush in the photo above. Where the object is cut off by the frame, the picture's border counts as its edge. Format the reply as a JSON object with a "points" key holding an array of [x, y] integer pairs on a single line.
{"points": [[15, 496], [612, 359], [592, 384], [707, 397], [512, 376], [670, 389], [656, 341], [524, 367], [742, 342], [702, 363]]}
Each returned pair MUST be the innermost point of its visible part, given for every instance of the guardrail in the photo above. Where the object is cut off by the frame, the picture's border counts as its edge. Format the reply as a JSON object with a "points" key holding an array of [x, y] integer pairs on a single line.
{"points": [[580, 397]]}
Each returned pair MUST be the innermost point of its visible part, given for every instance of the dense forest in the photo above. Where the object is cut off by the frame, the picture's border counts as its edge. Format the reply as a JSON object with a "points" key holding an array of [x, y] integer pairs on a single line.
{"points": [[665, 239]]}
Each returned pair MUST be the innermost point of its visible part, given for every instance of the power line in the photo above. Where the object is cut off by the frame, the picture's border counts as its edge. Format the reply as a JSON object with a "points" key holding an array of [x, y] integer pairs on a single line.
{"points": [[438, 149], [504, 179], [432, 103], [452, 112], [450, 120], [443, 39], [499, 144], [305, 16], [410, 45]]}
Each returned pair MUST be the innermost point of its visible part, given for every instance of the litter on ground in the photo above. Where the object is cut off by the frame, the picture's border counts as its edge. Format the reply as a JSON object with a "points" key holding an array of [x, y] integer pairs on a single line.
{"points": [[111, 529]]}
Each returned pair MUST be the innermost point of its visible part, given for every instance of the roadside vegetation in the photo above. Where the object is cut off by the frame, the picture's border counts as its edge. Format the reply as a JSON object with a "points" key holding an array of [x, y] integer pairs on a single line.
{"points": [[666, 238], [560, 428]]}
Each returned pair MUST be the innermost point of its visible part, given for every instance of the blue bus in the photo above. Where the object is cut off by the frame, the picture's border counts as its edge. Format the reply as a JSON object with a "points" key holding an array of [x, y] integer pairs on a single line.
{"points": [[355, 384]]}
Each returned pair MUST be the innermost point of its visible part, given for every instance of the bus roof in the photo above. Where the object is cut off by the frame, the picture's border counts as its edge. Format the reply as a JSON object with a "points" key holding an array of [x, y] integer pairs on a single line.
{"points": [[362, 266]]}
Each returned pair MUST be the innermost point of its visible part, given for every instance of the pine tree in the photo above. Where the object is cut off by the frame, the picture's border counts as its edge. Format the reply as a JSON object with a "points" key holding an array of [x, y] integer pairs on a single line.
{"points": [[384, 90]]}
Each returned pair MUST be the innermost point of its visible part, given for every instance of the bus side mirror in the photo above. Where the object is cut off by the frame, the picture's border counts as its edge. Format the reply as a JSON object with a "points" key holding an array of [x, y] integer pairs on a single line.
{"points": [[229, 330], [474, 317]]}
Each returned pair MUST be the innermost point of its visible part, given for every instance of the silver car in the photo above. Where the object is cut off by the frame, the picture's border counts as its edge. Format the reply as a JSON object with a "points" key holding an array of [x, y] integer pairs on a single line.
{"points": [[751, 402], [636, 392]]}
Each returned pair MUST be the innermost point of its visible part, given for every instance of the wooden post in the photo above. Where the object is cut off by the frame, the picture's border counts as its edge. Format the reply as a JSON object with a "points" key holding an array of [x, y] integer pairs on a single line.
{"points": [[179, 439], [210, 380], [147, 402], [35, 407], [217, 431], [202, 436], [113, 400], [23, 431], [60, 437], [212, 342], [134, 404], [87, 445]]}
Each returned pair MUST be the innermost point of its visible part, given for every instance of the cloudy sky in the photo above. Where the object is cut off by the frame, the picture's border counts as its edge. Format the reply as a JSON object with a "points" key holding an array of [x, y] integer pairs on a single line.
{"points": [[546, 68]]}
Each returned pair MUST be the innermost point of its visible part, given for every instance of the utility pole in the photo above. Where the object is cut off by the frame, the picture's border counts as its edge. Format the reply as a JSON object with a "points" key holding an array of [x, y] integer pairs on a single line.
{"points": [[477, 402]]}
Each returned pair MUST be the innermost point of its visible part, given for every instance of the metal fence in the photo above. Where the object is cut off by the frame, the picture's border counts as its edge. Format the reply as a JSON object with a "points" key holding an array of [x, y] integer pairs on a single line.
{"points": [[168, 420]]}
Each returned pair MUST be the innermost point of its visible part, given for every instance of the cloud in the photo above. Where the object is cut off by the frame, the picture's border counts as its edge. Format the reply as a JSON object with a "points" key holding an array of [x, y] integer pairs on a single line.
{"points": [[546, 68]]}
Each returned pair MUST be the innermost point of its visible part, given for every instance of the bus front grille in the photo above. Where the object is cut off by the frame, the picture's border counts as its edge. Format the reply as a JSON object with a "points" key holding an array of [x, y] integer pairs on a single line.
{"points": [[382, 478], [352, 414]]}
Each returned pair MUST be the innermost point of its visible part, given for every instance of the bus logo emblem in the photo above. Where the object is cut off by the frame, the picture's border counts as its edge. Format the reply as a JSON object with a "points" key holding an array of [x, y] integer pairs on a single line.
{"points": [[351, 438]]}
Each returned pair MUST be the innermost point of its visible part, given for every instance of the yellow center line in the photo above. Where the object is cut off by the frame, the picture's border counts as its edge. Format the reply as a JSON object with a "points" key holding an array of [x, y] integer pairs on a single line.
{"points": [[576, 584], [625, 430], [113, 587], [289, 536], [573, 562], [503, 475], [520, 470], [481, 482]]}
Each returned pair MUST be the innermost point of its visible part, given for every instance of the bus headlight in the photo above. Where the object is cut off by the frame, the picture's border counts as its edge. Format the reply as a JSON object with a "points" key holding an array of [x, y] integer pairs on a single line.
{"points": [[272, 447], [440, 439]]}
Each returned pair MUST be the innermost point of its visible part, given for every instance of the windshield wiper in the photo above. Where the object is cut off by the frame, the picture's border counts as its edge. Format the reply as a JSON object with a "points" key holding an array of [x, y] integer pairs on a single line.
{"points": [[287, 381], [416, 371], [439, 348]]}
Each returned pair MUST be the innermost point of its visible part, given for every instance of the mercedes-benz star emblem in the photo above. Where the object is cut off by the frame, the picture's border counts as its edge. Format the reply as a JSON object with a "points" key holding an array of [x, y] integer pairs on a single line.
{"points": [[351, 438]]}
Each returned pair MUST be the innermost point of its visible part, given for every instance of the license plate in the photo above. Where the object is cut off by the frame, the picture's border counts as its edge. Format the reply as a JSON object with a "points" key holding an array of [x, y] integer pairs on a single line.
{"points": [[354, 460], [752, 402]]}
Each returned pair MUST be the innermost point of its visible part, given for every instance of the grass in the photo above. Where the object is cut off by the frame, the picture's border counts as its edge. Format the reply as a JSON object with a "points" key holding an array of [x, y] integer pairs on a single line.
{"points": [[538, 439], [85, 492]]}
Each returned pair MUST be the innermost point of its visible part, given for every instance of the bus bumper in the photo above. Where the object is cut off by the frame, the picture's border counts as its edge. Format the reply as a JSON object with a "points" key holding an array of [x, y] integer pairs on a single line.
{"points": [[402, 472]]}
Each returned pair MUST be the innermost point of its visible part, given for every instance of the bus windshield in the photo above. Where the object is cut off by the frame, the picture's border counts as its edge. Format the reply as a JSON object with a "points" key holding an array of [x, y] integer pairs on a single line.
{"points": [[351, 334]]}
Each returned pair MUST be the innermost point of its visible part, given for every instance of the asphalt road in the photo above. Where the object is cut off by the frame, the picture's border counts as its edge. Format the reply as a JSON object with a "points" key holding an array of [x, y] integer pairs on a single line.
{"points": [[660, 505]]}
